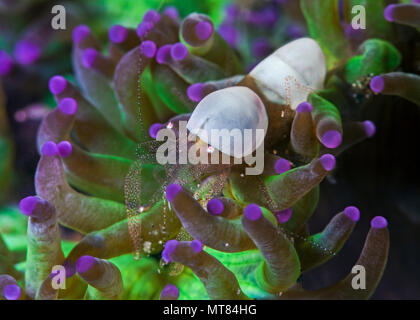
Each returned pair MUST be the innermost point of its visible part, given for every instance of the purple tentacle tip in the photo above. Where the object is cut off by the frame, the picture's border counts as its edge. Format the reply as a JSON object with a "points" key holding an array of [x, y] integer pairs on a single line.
{"points": [[328, 161], [229, 34], [389, 12], [370, 128], [377, 84], [378, 222], [6, 63], [204, 30], [57, 84], [143, 28], [88, 57], [68, 106], [295, 31], [12, 292], [148, 48], [163, 54], [172, 12], [179, 51], [79, 33], [353, 33], [170, 290], [64, 149], [84, 263], [270, 17], [195, 92], [304, 107], [282, 165], [416, 1], [26, 52], [197, 246], [256, 18], [172, 190], [353, 213], [170, 247], [284, 215], [332, 139], [117, 33], [215, 206], [253, 212], [261, 48], [151, 16], [154, 129], [232, 11], [70, 268], [49, 149], [27, 205]]}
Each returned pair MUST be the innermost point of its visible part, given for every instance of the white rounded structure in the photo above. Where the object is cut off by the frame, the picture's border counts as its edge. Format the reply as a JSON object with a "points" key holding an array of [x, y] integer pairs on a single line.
{"points": [[289, 74], [227, 115]]}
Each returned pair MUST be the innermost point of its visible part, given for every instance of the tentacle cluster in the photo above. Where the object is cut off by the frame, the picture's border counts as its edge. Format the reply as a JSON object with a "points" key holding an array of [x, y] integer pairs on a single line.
{"points": [[240, 236]]}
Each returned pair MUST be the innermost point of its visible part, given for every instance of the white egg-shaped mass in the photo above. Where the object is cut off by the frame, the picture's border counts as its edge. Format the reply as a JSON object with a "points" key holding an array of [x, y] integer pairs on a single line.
{"points": [[289, 74], [232, 120]]}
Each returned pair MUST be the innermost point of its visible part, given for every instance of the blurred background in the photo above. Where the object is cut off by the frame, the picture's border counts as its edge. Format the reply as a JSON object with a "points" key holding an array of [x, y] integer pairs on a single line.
{"points": [[380, 175]]}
